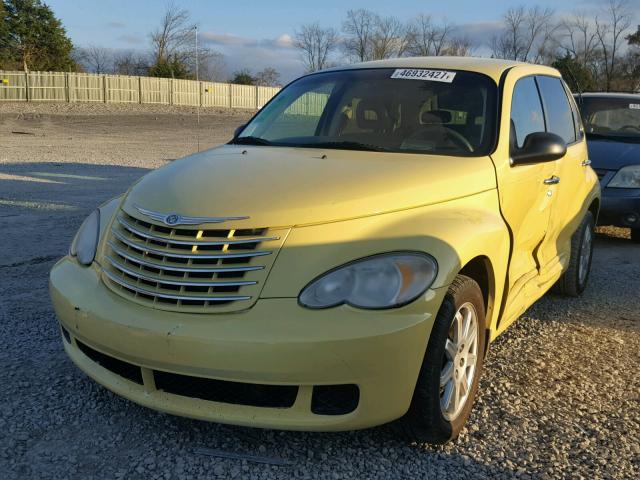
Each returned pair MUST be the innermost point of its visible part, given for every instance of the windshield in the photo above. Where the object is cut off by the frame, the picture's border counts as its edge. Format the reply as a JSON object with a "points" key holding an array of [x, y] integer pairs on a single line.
{"points": [[392, 110], [614, 117]]}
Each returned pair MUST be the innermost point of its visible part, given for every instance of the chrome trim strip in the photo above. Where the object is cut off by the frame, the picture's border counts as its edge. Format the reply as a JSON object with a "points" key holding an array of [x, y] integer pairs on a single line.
{"points": [[141, 275], [183, 219], [151, 293], [170, 240], [161, 266], [164, 253]]}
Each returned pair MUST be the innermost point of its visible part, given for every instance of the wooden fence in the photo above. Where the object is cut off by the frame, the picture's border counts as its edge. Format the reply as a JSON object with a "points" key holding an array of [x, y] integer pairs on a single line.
{"points": [[87, 87]]}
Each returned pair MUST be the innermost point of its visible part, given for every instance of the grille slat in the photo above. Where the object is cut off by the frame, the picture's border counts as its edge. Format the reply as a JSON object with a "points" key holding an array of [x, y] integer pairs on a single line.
{"points": [[175, 241], [167, 281], [170, 254], [153, 293], [171, 268], [185, 269]]}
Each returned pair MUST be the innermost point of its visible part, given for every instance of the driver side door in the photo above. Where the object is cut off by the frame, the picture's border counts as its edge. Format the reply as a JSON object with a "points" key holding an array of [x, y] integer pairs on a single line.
{"points": [[526, 200]]}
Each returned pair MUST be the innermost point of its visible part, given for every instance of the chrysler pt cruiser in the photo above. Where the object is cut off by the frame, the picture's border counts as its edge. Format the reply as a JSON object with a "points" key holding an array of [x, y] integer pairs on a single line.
{"points": [[346, 259]]}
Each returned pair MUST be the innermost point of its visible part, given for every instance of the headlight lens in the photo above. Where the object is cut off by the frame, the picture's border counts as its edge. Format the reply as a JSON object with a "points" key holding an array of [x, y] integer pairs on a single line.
{"points": [[382, 281], [627, 177], [85, 243]]}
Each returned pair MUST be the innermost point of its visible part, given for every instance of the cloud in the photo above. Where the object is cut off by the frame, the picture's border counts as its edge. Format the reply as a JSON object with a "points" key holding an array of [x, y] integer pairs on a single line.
{"points": [[227, 39], [130, 39], [115, 25]]}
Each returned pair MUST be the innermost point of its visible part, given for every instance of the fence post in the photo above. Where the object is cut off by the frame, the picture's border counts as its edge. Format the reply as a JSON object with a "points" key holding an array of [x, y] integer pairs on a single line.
{"points": [[171, 91], [230, 95], [67, 88], [104, 88], [200, 94], [27, 93], [256, 97], [139, 89]]}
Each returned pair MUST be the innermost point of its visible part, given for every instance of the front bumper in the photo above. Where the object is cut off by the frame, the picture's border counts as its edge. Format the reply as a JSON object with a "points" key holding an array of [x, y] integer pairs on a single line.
{"points": [[276, 342], [620, 207]]}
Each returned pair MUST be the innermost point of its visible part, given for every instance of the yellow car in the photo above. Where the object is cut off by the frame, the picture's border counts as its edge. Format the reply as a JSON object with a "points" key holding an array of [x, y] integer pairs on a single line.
{"points": [[346, 259]]}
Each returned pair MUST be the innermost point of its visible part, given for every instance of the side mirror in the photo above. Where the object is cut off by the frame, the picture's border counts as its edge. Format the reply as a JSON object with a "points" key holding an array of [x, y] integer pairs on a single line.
{"points": [[238, 130], [539, 147]]}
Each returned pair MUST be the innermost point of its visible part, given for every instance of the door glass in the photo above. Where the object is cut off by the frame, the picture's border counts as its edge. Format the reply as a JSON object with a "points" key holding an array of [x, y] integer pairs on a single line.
{"points": [[556, 107], [526, 111]]}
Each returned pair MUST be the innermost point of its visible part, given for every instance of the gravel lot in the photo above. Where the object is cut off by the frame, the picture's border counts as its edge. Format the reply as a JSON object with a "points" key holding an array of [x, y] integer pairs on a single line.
{"points": [[560, 395]]}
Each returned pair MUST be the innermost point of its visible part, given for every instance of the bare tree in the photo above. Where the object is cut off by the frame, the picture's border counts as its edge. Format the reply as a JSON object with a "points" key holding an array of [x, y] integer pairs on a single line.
{"points": [[427, 38], [609, 32], [579, 38], [359, 30], [129, 62], [173, 48], [390, 38], [526, 36], [269, 77], [174, 36], [458, 47], [95, 59], [316, 44]]}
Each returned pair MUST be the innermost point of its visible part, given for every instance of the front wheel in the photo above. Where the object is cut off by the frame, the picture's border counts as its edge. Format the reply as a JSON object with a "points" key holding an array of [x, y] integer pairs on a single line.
{"points": [[574, 280], [448, 379]]}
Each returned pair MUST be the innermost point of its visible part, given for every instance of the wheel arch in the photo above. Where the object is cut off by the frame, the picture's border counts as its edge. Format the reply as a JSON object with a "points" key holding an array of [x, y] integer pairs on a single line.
{"points": [[481, 270]]}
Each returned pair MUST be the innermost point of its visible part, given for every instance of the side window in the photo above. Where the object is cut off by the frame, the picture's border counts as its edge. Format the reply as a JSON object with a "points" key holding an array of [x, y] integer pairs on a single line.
{"points": [[526, 111], [577, 120], [556, 106]]}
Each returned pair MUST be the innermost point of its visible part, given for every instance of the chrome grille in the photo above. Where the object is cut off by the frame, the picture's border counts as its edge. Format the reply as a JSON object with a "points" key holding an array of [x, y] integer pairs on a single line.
{"points": [[186, 269]]}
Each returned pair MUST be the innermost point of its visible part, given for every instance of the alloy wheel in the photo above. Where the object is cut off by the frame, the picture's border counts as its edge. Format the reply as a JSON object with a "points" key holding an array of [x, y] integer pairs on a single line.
{"points": [[459, 365]]}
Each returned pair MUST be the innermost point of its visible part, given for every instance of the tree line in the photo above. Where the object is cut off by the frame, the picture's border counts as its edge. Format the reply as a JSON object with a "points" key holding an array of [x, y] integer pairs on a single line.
{"points": [[33, 38], [594, 50]]}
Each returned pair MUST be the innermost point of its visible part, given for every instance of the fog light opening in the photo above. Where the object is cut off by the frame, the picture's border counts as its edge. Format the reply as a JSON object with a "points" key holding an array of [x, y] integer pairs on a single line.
{"points": [[631, 218]]}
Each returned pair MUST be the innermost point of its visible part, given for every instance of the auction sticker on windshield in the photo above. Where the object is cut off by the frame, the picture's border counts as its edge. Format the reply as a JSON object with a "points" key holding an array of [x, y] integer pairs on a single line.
{"points": [[421, 74]]}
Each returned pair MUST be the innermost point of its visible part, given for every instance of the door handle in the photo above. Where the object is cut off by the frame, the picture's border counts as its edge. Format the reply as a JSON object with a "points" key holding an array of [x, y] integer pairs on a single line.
{"points": [[586, 163], [554, 180]]}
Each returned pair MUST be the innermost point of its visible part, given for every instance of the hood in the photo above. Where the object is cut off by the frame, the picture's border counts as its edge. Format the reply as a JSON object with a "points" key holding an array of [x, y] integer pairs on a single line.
{"points": [[608, 154], [283, 186]]}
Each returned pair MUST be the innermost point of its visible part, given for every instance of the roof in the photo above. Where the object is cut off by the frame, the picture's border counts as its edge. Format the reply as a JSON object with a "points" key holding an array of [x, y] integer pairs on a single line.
{"points": [[492, 67], [612, 95]]}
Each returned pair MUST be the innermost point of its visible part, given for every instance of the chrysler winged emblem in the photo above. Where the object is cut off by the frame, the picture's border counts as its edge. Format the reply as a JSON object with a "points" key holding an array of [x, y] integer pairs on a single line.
{"points": [[173, 219]]}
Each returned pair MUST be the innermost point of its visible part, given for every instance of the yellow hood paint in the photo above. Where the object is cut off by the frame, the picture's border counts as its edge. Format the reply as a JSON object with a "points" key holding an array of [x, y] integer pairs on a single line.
{"points": [[281, 187]]}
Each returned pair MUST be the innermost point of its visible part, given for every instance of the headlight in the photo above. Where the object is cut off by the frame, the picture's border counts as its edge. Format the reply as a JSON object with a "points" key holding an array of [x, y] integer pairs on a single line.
{"points": [[382, 281], [85, 243], [627, 177]]}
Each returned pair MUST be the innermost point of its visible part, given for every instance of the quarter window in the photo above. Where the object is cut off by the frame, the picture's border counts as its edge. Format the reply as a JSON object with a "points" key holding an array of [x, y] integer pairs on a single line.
{"points": [[556, 106], [526, 111]]}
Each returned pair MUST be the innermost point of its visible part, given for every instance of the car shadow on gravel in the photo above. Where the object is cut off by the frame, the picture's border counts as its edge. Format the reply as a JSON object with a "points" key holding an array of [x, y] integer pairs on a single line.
{"points": [[611, 298]]}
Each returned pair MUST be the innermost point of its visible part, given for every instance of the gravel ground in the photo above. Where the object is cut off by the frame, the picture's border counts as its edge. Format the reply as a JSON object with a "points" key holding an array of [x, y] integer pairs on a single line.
{"points": [[559, 398]]}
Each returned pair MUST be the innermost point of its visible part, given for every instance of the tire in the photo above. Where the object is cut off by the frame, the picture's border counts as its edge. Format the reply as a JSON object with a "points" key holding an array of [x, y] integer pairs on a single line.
{"points": [[635, 235], [573, 282], [426, 420]]}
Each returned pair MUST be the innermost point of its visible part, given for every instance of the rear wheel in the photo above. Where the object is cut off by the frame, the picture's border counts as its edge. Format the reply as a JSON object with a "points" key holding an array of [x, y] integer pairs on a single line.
{"points": [[574, 280], [448, 379], [635, 235]]}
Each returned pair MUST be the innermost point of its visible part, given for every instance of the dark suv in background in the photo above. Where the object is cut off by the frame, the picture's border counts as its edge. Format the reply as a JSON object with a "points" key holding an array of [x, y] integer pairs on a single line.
{"points": [[612, 125]]}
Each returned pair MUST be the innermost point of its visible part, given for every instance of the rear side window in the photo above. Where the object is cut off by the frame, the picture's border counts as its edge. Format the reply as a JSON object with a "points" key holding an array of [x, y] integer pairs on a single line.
{"points": [[556, 106], [526, 111]]}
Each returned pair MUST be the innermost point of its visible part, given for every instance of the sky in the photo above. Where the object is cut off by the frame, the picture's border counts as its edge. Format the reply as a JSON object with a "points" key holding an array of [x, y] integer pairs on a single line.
{"points": [[257, 34]]}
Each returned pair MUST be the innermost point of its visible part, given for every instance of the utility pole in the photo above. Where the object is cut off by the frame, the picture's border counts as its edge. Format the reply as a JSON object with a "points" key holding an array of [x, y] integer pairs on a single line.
{"points": [[199, 93]]}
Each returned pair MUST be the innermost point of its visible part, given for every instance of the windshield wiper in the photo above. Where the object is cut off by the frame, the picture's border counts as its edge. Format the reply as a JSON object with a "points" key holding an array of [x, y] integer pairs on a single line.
{"points": [[344, 145], [250, 141]]}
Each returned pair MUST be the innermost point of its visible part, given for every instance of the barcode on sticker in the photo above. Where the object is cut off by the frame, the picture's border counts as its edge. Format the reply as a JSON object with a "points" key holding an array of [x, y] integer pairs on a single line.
{"points": [[421, 74], [634, 106]]}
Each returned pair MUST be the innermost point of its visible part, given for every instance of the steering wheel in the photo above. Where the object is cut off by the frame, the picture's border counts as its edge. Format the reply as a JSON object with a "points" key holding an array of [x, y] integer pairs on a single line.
{"points": [[453, 135], [630, 127]]}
